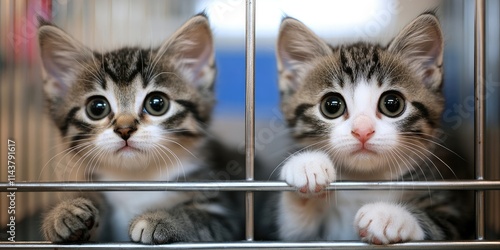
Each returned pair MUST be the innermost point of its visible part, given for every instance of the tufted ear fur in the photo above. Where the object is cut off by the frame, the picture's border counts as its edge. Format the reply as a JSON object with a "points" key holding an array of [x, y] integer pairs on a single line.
{"points": [[297, 46], [192, 48], [63, 57], [421, 44]]}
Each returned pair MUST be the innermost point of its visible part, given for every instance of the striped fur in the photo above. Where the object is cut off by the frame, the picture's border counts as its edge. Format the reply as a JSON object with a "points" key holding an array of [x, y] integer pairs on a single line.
{"points": [[129, 141], [372, 139]]}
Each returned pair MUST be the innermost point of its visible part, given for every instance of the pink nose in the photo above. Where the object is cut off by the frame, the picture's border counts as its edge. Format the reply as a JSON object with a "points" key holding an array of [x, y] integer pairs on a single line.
{"points": [[362, 128]]}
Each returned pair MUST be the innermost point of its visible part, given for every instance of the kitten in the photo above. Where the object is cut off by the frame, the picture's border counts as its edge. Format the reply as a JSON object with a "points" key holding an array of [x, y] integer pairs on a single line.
{"points": [[137, 114], [365, 112]]}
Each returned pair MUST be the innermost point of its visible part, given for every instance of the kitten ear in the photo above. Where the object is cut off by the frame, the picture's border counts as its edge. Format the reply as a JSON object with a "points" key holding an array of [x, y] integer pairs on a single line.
{"points": [[191, 49], [421, 44], [62, 57], [297, 46]]}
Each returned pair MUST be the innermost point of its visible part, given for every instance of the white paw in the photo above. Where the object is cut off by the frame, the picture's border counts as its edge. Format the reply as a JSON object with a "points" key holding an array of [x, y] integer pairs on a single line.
{"points": [[309, 172], [384, 223], [158, 227], [142, 231]]}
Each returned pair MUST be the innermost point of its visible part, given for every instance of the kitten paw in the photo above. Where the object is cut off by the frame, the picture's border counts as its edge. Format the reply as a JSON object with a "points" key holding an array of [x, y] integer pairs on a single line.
{"points": [[384, 223], [309, 172], [71, 221], [156, 227]]}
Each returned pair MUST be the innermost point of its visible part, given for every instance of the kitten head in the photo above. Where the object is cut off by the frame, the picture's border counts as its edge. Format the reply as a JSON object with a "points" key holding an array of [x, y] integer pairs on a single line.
{"points": [[372, 108], [131, 107]]}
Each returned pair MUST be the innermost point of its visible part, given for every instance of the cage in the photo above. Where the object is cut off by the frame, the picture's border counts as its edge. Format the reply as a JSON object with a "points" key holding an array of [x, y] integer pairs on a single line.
{"points": [[247, 115]]}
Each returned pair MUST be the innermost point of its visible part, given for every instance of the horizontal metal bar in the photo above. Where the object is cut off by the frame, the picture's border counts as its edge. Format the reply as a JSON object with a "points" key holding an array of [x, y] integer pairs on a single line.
{"points": [[262, 245], [243, 186]]}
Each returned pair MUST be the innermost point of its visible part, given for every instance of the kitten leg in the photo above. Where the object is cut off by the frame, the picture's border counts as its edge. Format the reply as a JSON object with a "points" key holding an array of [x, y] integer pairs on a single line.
{"points": [[185, 223], [301, 214], [71, 221], [385, 223]]}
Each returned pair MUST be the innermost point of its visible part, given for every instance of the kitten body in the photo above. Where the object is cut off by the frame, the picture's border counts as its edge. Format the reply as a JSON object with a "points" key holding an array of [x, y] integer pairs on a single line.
{"points": [[137, 114], [364, 112]]}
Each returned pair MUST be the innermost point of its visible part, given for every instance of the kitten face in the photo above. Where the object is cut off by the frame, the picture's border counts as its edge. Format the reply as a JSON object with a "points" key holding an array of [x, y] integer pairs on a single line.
{"points": [[371, 108], [131, 108]]}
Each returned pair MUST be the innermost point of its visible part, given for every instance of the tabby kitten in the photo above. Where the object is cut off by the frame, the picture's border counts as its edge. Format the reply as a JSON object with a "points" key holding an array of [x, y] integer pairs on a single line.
{"points": [[137, 114], [365, 112]]}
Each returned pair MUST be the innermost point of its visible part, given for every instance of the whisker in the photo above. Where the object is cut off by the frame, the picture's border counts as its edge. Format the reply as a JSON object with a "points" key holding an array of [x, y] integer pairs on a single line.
{"points": [[155, 155], [433, 154], [161, 73], [177, 160], [178, 144], [74, 152], [433, 142], [81, 160], [65, 151], [411, 147]]}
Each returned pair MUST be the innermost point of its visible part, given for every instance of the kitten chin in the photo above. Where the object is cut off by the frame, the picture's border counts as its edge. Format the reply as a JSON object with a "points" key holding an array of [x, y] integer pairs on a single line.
{"points": [[128, 160]]}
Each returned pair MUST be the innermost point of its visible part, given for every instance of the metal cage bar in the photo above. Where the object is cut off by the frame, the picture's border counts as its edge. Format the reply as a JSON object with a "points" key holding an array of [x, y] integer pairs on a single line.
{"points": [[250, 186], [479, 114], [250, 113], [264, 245], [243, 186]]}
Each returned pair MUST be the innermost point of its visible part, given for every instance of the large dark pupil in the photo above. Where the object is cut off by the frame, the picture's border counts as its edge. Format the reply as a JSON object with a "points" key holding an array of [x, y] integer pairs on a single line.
{"points": [[392, 103], [156, 103]]}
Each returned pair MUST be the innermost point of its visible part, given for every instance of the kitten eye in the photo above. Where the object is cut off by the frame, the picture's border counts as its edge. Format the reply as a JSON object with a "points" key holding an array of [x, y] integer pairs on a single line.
{"points": [[391, 104], [97, 107], [332, 105], [156, 104]]}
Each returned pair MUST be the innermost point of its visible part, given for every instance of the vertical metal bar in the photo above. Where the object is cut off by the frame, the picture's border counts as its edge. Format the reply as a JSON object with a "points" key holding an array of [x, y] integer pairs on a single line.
{"points": [[6, 30], [16, 103], [250, 112], [30, 199], [479, 126], [45, 137]]}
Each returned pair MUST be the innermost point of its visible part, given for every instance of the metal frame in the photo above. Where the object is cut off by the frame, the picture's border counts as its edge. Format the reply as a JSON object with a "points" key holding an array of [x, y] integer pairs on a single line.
{"points": [[263, 245], [250, 113], [480, 112], [250, 186]]}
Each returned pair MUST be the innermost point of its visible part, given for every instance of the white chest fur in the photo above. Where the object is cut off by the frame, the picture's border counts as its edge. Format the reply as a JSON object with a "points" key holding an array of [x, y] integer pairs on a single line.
{"points": [[124, 206], [343, 207]]}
